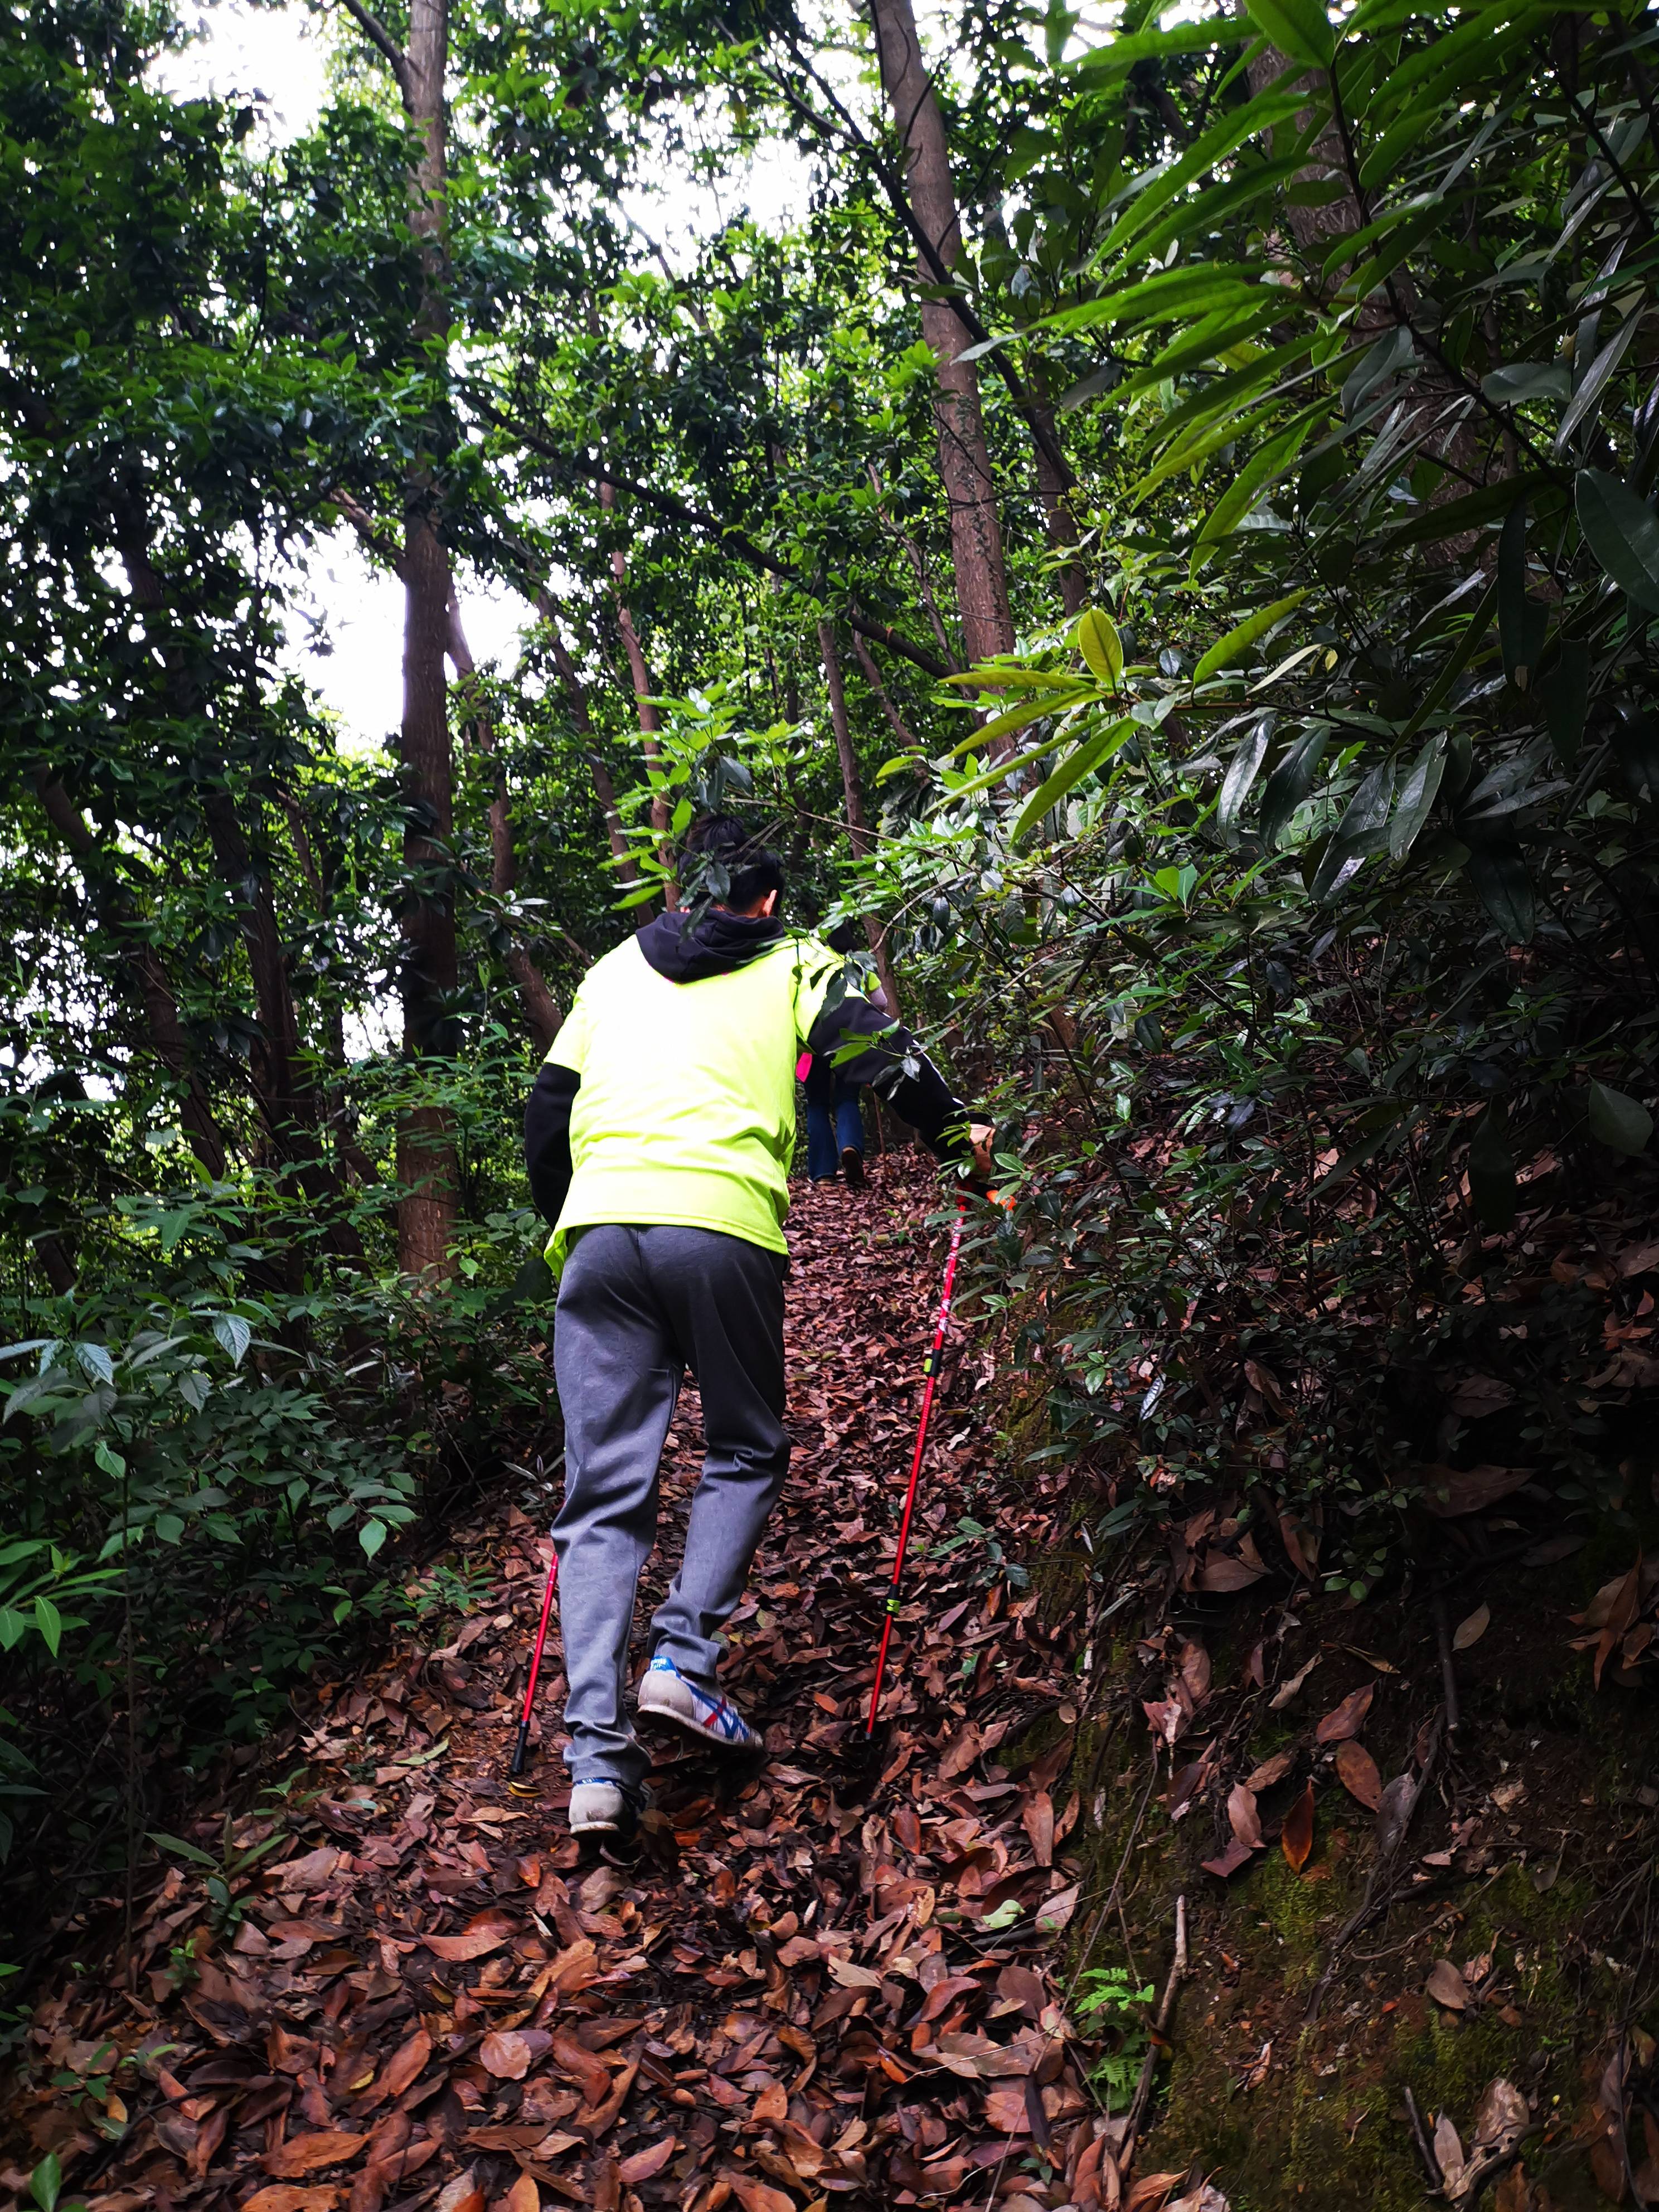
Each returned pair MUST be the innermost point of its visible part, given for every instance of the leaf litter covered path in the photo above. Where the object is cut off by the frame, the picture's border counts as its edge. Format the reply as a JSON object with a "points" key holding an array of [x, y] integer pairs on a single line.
{"points": [[834, 1982]]}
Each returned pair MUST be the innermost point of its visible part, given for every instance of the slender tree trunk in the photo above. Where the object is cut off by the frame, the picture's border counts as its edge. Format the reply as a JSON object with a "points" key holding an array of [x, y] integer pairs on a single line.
{"points": [[541, 1008], [964, 459], [576, 696], [858, 823], [650, 721], [897, 722], [165, 1033], [430, 971], [1063, 532]]}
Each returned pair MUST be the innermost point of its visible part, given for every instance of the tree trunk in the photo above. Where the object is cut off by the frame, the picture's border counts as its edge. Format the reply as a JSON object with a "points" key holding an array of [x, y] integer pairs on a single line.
{"points": [[1063, 532], [541, 1008], [426, 1152], [167, 1035], [604, 789], [858, 823], [650, 721], [964, 461]]}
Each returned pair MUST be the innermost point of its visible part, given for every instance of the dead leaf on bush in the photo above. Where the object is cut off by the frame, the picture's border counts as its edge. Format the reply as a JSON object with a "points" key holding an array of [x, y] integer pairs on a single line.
{"points": [[1270, 1771]]}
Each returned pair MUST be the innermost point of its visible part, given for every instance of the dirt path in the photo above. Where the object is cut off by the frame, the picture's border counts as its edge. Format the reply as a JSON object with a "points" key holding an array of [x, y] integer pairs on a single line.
{"points": [[831, 1984]]}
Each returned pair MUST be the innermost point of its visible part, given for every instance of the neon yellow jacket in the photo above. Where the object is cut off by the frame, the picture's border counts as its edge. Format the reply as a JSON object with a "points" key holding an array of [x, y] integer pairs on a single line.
{"points": [[685, 1112]]}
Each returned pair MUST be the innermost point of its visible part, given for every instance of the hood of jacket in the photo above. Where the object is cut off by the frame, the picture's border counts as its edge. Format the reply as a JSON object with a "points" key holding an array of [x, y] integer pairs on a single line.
{"points": [[715, 943]]}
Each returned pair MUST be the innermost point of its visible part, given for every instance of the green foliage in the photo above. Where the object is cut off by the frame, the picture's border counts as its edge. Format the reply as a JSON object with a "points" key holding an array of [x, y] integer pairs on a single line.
{"points": [[1111, 2007]]}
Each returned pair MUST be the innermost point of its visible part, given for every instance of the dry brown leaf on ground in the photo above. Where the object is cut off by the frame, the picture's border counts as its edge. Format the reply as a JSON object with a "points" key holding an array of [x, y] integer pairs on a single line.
{"points": [[1472, 1629], [1450, 1492], [1282, 1696], [644, 2163], [1242, 1816], [1356, 1770], [1347, 1718], [306, 2154], [1446, 1986], [1295, 1837], [1271, 1772]]}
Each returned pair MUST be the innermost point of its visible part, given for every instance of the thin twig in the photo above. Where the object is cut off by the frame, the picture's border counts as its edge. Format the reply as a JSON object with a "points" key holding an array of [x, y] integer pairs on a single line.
{"points": [[1143, 2096]]}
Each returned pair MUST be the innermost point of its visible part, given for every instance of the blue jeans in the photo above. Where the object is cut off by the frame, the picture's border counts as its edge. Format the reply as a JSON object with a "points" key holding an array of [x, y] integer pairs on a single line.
{"points": [[832, 1126]]}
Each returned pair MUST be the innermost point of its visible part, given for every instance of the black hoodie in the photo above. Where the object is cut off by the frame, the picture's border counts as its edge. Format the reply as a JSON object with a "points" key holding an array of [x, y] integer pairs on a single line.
{"points": [[718, 943]]}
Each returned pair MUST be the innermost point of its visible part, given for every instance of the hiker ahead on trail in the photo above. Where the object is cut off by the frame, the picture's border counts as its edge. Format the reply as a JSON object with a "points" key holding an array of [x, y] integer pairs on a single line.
{"points": [[658, 1137]]}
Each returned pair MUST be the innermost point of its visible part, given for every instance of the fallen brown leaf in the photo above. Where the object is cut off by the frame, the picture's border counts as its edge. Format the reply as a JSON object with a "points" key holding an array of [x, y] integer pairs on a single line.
{"points": [[1356, 1770], [1472, 1629], [306, 2154], [1296, 1836], [1347, 1718], [1446, 1986]]}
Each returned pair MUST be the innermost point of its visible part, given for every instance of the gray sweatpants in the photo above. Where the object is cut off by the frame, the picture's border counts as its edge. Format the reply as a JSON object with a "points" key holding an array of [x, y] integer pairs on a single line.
{"points": [[636, 1307]]}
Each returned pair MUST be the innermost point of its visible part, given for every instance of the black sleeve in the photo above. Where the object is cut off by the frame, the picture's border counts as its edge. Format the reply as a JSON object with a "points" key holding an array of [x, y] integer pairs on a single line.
{"points": [[547, 1136], [895, 1066]]}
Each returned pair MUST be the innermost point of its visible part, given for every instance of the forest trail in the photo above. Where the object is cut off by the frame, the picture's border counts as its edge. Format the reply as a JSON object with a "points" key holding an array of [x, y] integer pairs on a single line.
{"points": [[836, 1982]]}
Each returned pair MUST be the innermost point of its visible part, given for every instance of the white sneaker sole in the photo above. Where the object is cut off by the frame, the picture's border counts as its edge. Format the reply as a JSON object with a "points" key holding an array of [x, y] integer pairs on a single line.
{"points": [[650, 1707]]}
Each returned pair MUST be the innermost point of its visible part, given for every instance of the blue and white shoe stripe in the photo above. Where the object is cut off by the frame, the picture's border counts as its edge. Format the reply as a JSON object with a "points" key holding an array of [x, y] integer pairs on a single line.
{"points": [[714, 1717]]}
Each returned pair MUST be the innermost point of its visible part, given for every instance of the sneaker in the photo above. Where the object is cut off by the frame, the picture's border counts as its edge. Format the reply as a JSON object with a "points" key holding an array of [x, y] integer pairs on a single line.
{"points": [[852, 1166], [599, 1807], [667, 1695]]}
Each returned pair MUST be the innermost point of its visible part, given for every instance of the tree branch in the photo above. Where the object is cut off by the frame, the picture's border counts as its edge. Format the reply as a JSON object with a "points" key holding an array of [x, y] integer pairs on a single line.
{"points": [[378, 35], [949, 285], [733, 539]]}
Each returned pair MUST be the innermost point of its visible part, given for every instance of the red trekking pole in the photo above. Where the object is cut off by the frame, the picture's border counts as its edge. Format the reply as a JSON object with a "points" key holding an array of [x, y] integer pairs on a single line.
{"points": [[930, 1369], [521, 1746]]}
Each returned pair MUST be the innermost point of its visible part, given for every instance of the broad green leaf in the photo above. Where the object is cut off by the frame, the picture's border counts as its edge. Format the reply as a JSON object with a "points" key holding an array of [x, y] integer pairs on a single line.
{"points": [[45, 2181], [1255, 118], [1098, 642], [1174, 292], [1361, 832], [1290, 784], [190, 1851], [371, 1536], [1622, 530], [1239, 640], [1210, 339], [1263, 470], [1121, 55], [1093, 753], [1382, 163], [1492, 1172], [1618, 1120], [1451, 518], [1565, 694], [1500, 875], [1390, 353], [1300, 29], [1416, 796], [1455, 662], [1010, 719], [1521, 621], [1242, 773], [95, 1362], [234, 1333], [1521, 381], [1588, 397]]}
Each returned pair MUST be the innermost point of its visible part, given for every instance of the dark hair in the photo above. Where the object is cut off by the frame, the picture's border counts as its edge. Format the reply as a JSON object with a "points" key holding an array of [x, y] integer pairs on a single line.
{"points": [[735, 868]]}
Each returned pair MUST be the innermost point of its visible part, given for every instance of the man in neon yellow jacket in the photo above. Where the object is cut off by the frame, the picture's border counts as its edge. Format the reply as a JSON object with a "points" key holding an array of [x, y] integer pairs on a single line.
{"points": [[658, 1137]]}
